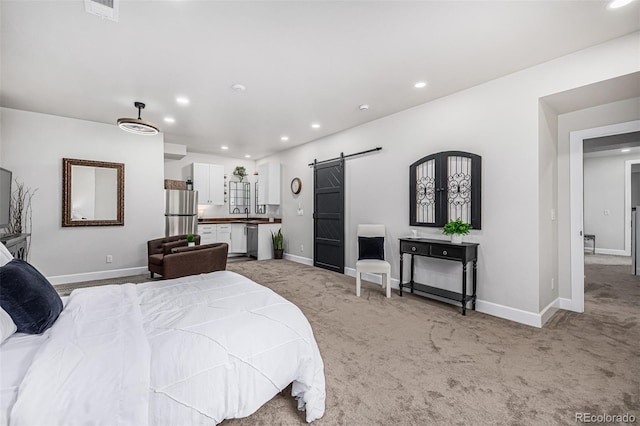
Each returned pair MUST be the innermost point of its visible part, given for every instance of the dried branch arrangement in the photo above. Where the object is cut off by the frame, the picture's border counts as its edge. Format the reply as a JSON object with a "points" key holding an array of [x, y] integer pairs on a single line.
{"points": [[20, 210]]}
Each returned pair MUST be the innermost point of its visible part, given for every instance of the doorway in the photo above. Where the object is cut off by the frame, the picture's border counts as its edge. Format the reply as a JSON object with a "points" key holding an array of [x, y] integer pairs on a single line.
{"points": [[576, 149]]}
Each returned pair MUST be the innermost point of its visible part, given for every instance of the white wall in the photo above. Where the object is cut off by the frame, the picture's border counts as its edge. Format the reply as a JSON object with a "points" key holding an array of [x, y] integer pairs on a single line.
{"points": [[547, 205], [498, 120], [604, 185], [33, 147], [602, 115], [181, 170]]}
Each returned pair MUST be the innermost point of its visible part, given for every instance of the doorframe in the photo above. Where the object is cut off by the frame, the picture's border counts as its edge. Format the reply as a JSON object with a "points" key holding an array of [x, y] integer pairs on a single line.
{"points": [[627, 205], [576, 196]]}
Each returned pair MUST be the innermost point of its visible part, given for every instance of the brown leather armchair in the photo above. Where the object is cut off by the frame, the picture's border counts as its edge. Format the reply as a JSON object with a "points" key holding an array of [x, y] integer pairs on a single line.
{"points": [[172, 257]]}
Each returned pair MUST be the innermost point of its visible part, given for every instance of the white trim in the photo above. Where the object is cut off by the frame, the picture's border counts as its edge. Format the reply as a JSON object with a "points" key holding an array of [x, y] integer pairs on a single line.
{"points": [[614, 252], [627, 206], [509, 313], [374, 278], [549, 311], [564, 303], [99, 275], [576, 188], [298, 259]]}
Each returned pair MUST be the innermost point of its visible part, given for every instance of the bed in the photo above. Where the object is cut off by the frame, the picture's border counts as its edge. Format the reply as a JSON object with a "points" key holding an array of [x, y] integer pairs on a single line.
{"points": [[192, 350]]}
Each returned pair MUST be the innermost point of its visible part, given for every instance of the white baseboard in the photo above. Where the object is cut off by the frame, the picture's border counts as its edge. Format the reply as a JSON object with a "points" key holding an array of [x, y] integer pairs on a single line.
{"points": [[565, 304], [299, 259], [549, 311], [614, 252], [512, 314], [99, 275]]}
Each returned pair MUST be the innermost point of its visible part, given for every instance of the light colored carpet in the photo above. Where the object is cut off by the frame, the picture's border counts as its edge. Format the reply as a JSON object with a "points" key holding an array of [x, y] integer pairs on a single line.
{"points": [[413, 361], [607, 259]]}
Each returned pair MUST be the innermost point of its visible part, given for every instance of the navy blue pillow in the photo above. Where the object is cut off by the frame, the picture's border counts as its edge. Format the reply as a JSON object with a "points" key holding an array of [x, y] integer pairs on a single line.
{"points": [[27, 296], [371, 248]]}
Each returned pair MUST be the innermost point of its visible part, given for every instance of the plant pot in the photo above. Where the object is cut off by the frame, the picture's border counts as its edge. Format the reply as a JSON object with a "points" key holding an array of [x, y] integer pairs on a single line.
{"points": [[277, 254], [191, 244], [456, 238]]}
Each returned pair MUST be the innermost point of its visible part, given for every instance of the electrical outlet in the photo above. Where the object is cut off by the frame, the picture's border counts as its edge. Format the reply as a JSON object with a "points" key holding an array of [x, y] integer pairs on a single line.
{"points": [[607, 212], [301, 247], [553, 283], [109, 258], [553, 214]]}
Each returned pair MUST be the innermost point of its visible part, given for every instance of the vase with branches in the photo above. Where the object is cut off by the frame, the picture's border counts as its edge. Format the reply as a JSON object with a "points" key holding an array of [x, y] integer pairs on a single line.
{"points": [[20, 212]]}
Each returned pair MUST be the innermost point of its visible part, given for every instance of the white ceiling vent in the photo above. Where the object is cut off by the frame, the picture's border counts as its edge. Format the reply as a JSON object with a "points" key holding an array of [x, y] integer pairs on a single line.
{"points": [[106, 9]]}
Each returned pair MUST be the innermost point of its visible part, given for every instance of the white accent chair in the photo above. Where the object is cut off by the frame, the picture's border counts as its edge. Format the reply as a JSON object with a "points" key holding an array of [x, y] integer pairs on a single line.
{"points": [[373, 265]]}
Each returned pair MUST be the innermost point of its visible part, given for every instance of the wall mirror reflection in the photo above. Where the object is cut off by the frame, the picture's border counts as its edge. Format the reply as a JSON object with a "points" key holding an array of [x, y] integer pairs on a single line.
{"points": [[239, 198], [92, 193]]}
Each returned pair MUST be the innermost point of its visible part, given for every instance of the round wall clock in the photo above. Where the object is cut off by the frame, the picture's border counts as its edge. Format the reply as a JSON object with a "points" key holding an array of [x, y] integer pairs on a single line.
{"points": [[296, 185]]}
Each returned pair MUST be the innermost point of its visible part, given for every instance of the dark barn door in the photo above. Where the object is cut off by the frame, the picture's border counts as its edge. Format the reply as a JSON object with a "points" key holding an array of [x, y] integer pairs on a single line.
{"points": [[328, 215]]}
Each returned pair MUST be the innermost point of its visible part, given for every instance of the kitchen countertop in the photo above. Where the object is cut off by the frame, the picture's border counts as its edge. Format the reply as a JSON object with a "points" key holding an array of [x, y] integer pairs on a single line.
{"points": [[251, 221]]}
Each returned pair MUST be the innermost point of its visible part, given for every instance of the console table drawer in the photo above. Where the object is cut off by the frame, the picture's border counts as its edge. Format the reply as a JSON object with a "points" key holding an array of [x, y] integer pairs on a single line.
{"points": [[409, 247], [445, 252]]}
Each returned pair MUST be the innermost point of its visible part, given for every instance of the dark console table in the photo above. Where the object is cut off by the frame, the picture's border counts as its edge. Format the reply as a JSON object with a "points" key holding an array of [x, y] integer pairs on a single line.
{"points": [[16, 244], [440, 249]]}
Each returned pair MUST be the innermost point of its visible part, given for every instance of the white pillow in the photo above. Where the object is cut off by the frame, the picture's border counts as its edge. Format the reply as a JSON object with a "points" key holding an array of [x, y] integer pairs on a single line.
{"points": [[5, 256], [7, 326]]}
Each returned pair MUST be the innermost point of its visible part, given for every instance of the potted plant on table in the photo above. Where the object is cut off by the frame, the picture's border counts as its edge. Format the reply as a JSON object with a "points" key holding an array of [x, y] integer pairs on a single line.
{"points": [[191, 240], [277, 241], [456, 229]]}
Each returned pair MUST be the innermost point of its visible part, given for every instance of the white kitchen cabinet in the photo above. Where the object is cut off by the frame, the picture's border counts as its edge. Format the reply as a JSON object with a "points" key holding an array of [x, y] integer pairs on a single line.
{"points": [[269, 178], [238, 238], [224, 233], [207, 233], [208, 180]]}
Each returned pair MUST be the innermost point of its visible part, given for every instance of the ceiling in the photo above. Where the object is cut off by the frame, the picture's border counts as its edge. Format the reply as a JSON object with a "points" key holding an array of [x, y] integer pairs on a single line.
{"points": [[301, 62]]}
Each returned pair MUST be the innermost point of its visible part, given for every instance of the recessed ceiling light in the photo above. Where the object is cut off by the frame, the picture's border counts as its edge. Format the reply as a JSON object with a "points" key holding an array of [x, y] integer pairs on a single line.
{"points": [[315, 125], [615, 4], [363, 107], [239, 87], [182, 100], [224, 147], [626, 149], [169, 120], [247, 156], [284, 138], [420, 85]]}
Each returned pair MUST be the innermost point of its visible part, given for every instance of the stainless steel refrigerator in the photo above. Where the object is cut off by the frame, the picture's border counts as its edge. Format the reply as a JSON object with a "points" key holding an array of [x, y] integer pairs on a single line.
{"points": [[180, 212]]}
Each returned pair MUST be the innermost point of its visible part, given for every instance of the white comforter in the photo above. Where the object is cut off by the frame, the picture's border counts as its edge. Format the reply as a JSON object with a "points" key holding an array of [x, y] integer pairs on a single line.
{"points": [[194, 350]]}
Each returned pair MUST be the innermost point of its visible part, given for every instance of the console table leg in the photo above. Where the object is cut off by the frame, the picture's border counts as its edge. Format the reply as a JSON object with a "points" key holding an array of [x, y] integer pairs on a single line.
{"points": [[401, 268], [464, 289], [475, 282], [411, 274]]}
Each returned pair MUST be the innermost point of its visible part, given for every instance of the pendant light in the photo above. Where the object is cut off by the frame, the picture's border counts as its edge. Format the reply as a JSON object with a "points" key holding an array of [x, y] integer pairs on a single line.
{"points": [[138, 125]]}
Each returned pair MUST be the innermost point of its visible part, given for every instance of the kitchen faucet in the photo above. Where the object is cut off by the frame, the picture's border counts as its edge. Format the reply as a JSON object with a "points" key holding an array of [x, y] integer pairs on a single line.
{"points": [[246, 210]]}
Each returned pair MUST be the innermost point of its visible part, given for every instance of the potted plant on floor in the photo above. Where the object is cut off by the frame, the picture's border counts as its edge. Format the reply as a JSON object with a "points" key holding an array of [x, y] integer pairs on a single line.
{"points": [[456, 229], [277, 241]]}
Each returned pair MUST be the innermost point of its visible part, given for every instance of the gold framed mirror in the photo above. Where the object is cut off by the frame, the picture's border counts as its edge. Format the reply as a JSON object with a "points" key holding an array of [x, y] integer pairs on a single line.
{"points": [[92, 193]]}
